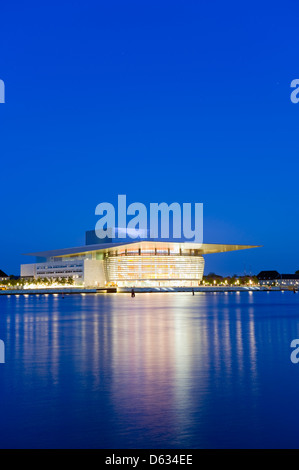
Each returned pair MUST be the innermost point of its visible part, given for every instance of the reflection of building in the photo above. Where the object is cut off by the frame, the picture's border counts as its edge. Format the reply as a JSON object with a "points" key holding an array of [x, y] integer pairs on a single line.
{"points": [[273, 278], [127, 263]]}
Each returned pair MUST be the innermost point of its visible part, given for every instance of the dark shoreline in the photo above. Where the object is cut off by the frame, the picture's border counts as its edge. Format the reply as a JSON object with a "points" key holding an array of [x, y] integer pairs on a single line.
{"points": [[140, 290]]}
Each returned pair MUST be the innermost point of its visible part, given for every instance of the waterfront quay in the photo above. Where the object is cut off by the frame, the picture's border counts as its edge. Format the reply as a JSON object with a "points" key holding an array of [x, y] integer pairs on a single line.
{"points": [[45, 291], [123, 290]]}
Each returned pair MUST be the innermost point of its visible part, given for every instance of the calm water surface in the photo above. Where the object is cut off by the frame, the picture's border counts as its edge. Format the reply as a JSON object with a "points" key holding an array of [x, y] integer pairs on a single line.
{"points": [[156, 371]]}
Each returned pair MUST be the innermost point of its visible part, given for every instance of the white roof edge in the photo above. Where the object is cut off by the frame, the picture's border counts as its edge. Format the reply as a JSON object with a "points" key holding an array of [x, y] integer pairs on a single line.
{"points": [[205, 247]]}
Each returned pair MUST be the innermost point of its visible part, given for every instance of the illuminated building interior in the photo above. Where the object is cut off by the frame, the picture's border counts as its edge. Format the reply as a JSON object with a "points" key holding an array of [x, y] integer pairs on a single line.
{"points": [[127, 264]]}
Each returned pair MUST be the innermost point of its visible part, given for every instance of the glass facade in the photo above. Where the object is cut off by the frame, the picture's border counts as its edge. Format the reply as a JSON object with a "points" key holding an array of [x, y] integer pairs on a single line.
{"points": [[153, 269]]}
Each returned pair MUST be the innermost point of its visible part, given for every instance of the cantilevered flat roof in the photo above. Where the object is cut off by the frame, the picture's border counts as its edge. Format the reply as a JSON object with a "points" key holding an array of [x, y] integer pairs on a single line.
{"points": [[203, 248]]}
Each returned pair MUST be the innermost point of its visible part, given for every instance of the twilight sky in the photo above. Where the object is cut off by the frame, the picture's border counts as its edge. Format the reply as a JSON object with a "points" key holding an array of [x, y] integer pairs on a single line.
{"points": [[160, 100]]}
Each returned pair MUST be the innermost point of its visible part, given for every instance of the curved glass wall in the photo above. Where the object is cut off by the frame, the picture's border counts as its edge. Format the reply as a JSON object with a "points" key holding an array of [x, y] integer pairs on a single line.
{"points": [[156, 269]]}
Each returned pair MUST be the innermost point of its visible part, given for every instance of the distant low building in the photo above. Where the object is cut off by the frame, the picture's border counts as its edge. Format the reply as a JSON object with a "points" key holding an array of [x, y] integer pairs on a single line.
{"points": [[3, 276], [286, 280], [267, 278], [274, 278]]}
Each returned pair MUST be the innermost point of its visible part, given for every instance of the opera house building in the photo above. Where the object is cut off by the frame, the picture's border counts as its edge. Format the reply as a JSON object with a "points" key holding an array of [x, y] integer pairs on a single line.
{"points": [[127, 263]]}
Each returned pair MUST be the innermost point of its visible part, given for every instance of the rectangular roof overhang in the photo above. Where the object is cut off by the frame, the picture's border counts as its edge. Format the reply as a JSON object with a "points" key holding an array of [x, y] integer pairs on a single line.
{"points": [[203, 248]]}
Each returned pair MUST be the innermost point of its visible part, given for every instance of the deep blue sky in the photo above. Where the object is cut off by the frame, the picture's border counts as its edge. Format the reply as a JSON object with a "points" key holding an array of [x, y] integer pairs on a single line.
{"points": [[159, 100]]}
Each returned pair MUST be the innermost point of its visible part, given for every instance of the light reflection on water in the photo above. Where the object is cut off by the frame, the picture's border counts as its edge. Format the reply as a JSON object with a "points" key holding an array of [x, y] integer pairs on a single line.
{"points": [[159, 370]]}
